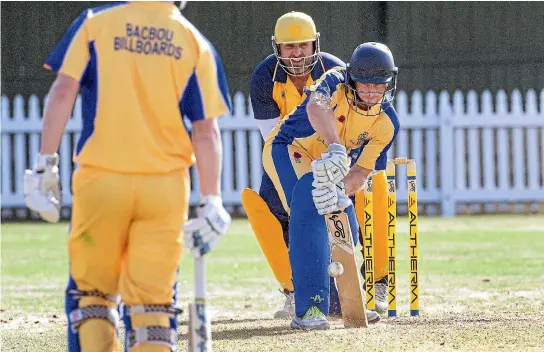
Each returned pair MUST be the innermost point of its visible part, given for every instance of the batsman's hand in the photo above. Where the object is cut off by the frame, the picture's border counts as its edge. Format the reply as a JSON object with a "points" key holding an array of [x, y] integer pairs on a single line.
{"points": [[333, 166], [41, 187], [203, 233], [330, 197]]}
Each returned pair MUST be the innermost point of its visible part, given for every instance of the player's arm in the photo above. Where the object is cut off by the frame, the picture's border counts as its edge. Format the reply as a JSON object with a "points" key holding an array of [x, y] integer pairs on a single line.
{"points": [[320, 105], [62, 96], [265, 109], [205, 98], [333, 165], [355, 179], [69, 59], [41, 184], [321, 116], [208, 151]]}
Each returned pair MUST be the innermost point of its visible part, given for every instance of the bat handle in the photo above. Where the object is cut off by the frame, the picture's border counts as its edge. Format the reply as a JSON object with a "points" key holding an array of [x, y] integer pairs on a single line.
{"points": [[200, 277]]}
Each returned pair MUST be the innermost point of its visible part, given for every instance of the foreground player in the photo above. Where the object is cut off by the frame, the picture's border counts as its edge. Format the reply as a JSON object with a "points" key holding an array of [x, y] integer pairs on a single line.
{"points": [[347, 109], [140, 67], [276, 89]]}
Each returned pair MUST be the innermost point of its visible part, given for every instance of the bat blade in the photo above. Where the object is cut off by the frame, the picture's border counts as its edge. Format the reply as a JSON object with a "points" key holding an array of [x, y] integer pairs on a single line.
{"points": [[349, 283]]}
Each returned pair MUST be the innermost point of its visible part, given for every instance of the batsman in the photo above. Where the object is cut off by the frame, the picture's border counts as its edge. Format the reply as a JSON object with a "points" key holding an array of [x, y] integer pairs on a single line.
{"points": [[306, 157], [140, 67]]}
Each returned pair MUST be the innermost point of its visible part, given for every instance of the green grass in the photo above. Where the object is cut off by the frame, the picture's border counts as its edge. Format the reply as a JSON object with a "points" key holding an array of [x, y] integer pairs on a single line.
{"points": [[482, 289]]}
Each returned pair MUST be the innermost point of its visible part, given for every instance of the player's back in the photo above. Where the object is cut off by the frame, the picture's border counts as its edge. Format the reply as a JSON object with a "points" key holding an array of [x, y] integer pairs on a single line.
{"points": [[146, 66]]}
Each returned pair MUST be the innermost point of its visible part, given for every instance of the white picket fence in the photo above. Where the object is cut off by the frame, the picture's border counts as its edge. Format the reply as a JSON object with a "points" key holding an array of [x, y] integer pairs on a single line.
{"points": [[467, 151]]}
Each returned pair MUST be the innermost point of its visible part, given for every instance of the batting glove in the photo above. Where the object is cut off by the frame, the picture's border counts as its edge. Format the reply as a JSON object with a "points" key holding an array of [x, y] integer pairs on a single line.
{"points": [[203, 233], [330, 197], [333, 166], [41, 187]]}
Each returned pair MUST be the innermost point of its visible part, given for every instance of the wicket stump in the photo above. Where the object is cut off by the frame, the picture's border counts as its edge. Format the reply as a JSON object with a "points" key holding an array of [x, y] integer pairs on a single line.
{"points": [[391, 238], [369, 245]]}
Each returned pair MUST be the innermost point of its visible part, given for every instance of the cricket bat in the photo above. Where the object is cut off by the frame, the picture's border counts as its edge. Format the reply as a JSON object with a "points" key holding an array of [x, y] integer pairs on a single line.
{"points": [[200, 329], [349, 284]]}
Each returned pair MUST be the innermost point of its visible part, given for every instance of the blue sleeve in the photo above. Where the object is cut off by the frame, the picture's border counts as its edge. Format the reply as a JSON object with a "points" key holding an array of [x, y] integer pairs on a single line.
{"points": [[212, 100], [55, 59], [191, 102], [262, 102], [381, 162], [328, 83]]}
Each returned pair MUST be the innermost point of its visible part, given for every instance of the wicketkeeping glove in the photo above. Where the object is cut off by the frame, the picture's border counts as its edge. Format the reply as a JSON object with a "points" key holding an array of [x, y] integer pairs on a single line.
{"points": [[203, 233]]}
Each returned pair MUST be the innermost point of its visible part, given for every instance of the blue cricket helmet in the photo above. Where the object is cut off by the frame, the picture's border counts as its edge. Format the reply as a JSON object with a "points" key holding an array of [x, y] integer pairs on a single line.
{"points": [[371, 63]]}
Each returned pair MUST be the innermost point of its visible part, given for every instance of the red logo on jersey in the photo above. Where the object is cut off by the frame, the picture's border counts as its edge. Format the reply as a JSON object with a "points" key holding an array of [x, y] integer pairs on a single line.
{"points": [[297, 157], [341, 118]]}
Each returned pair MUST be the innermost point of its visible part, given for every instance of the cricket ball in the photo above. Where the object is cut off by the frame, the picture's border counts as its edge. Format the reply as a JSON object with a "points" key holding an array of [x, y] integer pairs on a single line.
{"points": [[336, 269]]}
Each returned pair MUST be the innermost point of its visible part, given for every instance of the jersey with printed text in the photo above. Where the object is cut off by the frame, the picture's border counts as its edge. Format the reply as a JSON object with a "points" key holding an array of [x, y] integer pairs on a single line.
{"points": [[141, 67]]}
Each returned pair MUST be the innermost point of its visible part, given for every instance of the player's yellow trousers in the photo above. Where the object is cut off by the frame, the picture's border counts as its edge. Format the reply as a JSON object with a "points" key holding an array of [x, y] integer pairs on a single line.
{"points": [[125, 239]]}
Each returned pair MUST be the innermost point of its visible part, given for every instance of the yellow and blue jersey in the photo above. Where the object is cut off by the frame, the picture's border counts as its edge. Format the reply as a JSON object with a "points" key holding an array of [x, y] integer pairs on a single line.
{"points": [[141, 67], [366, 138], [273, 94]]}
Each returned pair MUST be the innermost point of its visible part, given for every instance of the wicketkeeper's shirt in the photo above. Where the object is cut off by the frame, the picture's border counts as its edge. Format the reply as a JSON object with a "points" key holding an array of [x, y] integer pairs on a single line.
{"points": [[273, 94], [141, 66]]}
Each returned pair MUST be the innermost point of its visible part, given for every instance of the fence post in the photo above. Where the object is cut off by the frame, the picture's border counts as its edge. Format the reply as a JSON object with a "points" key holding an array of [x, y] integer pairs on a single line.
{"points": [[447, 201]]}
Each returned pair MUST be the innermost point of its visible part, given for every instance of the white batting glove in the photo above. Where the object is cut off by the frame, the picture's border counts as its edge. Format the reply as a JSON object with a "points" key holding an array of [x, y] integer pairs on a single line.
{"points": [[203, 233], [41, 187], [329, 197], [333, 166]]}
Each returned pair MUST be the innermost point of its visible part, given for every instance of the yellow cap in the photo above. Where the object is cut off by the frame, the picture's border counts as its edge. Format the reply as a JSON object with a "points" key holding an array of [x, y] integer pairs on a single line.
{"points": [[295, 27]]}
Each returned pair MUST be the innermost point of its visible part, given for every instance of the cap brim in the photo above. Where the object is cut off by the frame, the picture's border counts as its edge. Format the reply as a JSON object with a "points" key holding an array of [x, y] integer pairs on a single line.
{"points": [[296, 41]]}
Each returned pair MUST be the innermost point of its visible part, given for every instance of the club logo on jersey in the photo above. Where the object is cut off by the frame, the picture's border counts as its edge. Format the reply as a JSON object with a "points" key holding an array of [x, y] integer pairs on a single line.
{"points": [[361, 139], [297, 157], [283, 94], [341, 118]]}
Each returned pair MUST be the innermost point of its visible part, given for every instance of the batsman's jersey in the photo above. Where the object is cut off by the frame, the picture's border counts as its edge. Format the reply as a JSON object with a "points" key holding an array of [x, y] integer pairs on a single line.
{"points": [[374, 134], [273, 94], [141, 67]]}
